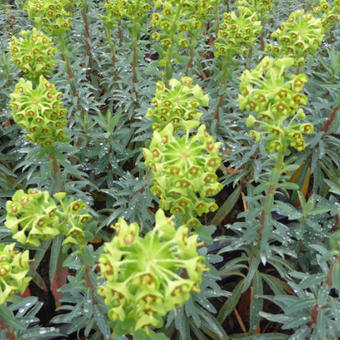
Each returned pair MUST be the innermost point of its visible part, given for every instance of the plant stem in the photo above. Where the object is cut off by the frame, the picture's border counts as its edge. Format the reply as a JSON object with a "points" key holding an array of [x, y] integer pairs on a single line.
{"points": [[56, 172], [167, 67], [265, 218], [134, 68], [330, 119], [89, 284], [113, 51], [225, 75], [87, 35]]}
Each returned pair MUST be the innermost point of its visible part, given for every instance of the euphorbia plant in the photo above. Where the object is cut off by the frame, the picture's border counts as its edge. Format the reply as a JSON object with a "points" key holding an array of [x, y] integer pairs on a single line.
{"points": [[329, 15], [275, 97], [177, 104], [34, 216], [146, 277], [135, 15], [174, 20], [33, 52], [14, 266], [299, 36], [236, 35], [184, 172], [39, 111], [51, 16]]}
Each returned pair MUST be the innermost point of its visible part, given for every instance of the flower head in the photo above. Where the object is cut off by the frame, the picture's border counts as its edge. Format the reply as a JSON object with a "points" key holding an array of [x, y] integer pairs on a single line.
{"points": [[52, 16], [237, 34], [146, 277], [184, 171], [14, 266], [33, 52], [275, 98], [299, 36], [177, 104], [39, 111]]}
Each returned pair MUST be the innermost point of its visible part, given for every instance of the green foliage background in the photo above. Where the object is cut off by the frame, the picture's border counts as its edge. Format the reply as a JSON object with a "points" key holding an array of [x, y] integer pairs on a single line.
{"points": [[290, 293]]}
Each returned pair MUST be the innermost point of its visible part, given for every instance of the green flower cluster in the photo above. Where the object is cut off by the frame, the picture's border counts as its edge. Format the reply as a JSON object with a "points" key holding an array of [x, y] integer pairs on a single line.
{"points": [[237, 34], [184, 172], [301, 35], [34, 217], [175, 18], [132, 10], [275, 97], [261, 7], [177, 105], [14, 266], [148, 276], [53, 16], [328, 14], [72, 216], [39, 111], [33, 53]]}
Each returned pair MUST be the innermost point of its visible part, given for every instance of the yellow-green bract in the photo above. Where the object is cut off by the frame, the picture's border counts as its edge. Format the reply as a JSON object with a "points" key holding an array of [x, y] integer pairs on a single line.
{"points": [[146, 277], [33, 52], [184, 172], [14, 266], [39, 111], [276, 99]]}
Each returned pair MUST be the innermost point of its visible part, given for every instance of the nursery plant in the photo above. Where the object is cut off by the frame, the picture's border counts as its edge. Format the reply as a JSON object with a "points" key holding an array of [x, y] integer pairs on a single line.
{"points": [[169, 170]]}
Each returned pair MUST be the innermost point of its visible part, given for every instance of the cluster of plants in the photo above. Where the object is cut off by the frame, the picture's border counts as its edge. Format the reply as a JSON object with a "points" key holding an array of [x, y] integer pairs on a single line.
{"points": [[169, 169]]}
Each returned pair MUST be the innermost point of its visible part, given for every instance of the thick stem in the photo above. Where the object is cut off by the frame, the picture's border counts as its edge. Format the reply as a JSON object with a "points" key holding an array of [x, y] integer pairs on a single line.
{"points": [[113, 51], [262, 46], [191, 60], [330, 119], [56, 172], [265, 218], [87, 36], [69, 71], [225, 75], [134, 68], [167, 67]]}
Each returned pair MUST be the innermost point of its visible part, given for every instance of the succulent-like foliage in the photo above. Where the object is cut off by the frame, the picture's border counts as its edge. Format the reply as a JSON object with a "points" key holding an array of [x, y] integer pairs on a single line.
{"points": [[52, 16], [39, 111], [131, 10], [299, 36], [328, 14], [262, 7], [14, 266], [34, 216], [177, 105], [174, 19], [184, 172], [275, 96], [237, 34], [148, 276], [33, 53]]}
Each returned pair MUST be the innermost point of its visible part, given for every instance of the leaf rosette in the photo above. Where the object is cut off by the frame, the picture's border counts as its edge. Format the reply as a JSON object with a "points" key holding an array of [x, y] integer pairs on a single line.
{"points": [[146, 277]]}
